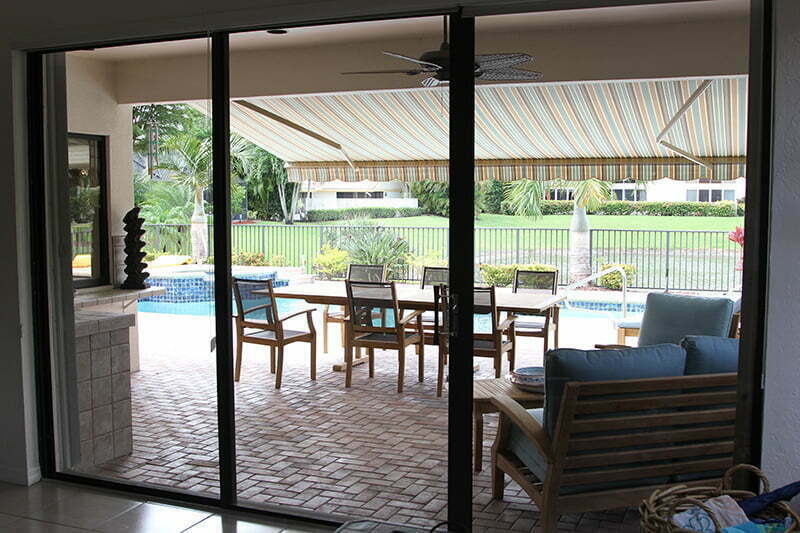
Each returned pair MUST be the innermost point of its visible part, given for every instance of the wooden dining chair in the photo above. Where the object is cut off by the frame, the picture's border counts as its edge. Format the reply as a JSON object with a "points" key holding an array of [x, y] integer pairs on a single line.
{"points": [[257, 322], [432, 277], [365, 300], [354, 273], [499, 341], [539, 325]]}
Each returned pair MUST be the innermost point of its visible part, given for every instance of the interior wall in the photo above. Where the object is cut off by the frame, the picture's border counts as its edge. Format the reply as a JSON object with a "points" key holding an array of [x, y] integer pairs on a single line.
{"points": [[93, 109], [781, 442], [706, 48]]}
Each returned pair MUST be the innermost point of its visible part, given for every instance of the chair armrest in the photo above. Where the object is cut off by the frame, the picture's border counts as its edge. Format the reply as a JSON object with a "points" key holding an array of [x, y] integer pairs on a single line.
{"points": [[612, 346], [309, 311], [525, 422], [507, 323], [408, 318]]}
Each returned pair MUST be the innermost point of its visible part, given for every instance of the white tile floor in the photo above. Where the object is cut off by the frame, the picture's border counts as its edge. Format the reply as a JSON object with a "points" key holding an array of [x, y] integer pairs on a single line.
{"points": [[55, 507]]}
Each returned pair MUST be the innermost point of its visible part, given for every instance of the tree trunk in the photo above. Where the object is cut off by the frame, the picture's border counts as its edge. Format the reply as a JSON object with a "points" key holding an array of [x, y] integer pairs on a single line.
{"points": [[199, 229], [580, 264]]}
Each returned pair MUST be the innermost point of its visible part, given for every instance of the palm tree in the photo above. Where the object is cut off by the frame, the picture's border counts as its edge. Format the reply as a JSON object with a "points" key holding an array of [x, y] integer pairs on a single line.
{"points": [[588, 196], [189, 157], [267, 173], [524, 198]]}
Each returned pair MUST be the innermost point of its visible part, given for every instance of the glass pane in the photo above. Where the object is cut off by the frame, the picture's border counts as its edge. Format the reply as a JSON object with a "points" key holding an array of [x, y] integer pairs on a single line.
{"points": [[716, 195], [618, 194], [641, 196], [87, 202], [629, 195], [307, 441], [703, 195], [136, 396], [729, 195], [691, 195]]}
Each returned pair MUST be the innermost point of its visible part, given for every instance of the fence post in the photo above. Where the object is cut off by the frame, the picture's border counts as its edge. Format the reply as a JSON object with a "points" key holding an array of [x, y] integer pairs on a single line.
{"points": [[666, 270], [263, 229], [517, 254]]}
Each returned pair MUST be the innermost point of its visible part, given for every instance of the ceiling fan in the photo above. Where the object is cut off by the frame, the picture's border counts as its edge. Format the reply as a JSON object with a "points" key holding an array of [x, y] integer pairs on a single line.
{"points": [[436, 63]]}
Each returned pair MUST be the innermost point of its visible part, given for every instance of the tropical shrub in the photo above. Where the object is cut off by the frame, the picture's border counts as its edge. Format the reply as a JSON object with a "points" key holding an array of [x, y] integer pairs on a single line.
{"points": [[431, 258], [503, 275], [493, 196], [325, 215], [613, 280], [433, 196], [258, 259], [331, 263], [368, 244]]}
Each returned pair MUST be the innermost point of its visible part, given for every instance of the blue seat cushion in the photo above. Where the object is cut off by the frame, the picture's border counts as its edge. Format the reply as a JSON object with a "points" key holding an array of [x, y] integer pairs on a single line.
{"points": [[633, 322], [668, 318], [566, 364], [710, 355]]}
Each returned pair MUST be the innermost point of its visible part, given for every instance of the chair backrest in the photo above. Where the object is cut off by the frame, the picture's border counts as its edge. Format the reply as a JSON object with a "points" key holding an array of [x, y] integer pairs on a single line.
{"points": [[367, 300], [612, 434], [670, 317], [484, 303], [249, 306], [366, 273], [535, 281], [434, 276]]}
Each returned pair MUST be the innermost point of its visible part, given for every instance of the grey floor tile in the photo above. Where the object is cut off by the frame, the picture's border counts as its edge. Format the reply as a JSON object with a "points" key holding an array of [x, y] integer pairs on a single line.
{"points": [[7, 519], [21, 501], [219, 524], [85, 509], [155, 518], [26, 525]]}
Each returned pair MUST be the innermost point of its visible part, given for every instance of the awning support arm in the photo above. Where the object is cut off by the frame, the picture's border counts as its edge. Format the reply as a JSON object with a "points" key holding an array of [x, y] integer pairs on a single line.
{"points": [[297, 127], [682, 111]]}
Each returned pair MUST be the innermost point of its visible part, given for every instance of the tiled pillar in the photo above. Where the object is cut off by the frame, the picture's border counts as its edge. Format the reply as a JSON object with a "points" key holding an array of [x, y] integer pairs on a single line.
{"points": [[104, 385]]}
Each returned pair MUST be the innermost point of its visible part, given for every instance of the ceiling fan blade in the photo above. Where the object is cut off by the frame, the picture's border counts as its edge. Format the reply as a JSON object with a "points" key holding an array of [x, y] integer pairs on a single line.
{"points": [[492, 61], [431, 66], [509, 74], [398, 71]]}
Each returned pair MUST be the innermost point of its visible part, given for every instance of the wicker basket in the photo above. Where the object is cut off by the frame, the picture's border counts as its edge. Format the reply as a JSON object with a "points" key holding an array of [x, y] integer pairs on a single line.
{"points": [[657, 510]]}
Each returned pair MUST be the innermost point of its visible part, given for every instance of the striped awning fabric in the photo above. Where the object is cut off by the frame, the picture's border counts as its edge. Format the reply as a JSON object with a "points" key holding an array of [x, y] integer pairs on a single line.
{"points": [[542, 131]]}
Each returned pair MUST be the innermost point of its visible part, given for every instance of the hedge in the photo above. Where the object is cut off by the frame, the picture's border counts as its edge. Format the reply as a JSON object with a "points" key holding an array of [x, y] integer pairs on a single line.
{"points": [[503, 275], [613, 280], [325, 215], [665, 209]]}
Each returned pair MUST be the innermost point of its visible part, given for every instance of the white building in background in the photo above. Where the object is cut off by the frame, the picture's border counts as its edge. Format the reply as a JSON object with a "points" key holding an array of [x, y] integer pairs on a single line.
{"points": [[669, 190], [341, 194]]}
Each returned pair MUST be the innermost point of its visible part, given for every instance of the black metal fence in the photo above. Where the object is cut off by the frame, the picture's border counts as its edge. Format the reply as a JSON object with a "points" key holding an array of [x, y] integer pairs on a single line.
{"points": [[681, 260]]}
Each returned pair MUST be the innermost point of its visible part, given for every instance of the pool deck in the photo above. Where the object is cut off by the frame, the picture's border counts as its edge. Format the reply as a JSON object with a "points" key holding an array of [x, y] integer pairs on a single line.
{"points": [[366, 451]]}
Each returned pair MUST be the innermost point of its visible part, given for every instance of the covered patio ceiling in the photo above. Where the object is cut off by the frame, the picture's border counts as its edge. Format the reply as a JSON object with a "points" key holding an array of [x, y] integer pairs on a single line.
{"points": [[609, 130]]}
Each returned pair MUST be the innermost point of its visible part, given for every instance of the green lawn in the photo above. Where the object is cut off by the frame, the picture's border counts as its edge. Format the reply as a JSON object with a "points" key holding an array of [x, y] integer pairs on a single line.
{"points": [[562, 221]]}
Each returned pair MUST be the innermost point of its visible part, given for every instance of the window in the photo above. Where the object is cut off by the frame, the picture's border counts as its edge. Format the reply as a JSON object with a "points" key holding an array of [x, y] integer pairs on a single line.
{"points": [[618, 193], [560, 194], [702, 195], [375, 194], [88, 207], [641, 196], [716, 195], [729, 195], [629, 195], [691, 195]]}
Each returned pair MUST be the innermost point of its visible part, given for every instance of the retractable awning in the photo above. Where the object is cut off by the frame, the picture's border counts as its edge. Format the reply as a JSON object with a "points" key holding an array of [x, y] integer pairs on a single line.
{"points": [[573, 131]]}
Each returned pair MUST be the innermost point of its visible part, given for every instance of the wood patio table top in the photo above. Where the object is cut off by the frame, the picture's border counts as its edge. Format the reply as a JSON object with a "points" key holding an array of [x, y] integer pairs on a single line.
{"points": [[413, 297]]}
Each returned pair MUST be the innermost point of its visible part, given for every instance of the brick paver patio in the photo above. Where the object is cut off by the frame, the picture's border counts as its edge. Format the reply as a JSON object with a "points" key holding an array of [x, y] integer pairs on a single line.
{"points": [[361, 452]]}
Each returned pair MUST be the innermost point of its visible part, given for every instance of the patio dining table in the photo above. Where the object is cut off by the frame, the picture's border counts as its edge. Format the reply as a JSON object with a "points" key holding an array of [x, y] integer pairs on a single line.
{"points": [[412, 296]]}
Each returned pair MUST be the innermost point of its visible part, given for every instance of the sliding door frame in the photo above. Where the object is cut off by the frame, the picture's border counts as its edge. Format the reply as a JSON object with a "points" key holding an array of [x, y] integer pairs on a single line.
{"points": [[462, 102]]}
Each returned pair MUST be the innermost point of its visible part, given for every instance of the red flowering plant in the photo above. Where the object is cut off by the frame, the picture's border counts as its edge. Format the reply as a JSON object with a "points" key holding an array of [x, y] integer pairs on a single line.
{"points": [[737, 236]]}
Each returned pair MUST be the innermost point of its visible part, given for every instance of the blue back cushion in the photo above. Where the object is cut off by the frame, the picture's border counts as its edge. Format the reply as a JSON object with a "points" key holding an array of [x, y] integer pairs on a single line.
{"points": [[566, 364], [710, 355], [668, 318]]}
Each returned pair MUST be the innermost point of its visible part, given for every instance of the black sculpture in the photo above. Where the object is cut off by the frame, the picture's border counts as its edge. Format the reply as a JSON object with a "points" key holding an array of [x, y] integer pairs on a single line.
{"points": [[134, 266]]}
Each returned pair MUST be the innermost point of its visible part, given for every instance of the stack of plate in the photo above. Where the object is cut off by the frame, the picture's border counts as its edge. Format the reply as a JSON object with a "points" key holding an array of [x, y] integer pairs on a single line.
{"points": [[529, 378]]}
